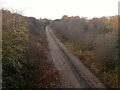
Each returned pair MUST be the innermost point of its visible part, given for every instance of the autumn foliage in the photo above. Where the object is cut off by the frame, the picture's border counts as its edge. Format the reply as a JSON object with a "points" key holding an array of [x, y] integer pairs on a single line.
{"points": [[24, 57], [94, 41]]}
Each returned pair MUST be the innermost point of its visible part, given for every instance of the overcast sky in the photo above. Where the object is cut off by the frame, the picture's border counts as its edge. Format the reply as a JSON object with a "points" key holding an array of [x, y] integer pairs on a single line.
{"points": [[55, 9]]}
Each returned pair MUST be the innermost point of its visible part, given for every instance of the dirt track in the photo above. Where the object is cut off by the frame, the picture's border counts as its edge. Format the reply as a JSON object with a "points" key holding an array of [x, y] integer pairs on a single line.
{"points": [[73, 73]]}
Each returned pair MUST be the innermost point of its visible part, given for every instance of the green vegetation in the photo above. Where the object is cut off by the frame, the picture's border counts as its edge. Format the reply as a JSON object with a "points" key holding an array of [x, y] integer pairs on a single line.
{"points": [[94, 42], [24, 56], [24, 48]]}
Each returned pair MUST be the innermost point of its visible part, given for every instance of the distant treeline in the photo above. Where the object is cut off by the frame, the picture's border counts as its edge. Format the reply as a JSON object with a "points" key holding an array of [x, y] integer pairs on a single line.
{"points": [[96, 40]]}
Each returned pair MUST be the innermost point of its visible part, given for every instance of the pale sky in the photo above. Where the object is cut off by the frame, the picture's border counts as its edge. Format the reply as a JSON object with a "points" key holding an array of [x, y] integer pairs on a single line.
{"points": [[55, 9]]}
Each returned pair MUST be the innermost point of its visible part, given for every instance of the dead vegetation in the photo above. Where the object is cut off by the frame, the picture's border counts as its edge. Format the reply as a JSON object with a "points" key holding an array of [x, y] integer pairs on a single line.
{"points": [[93, 41]]}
